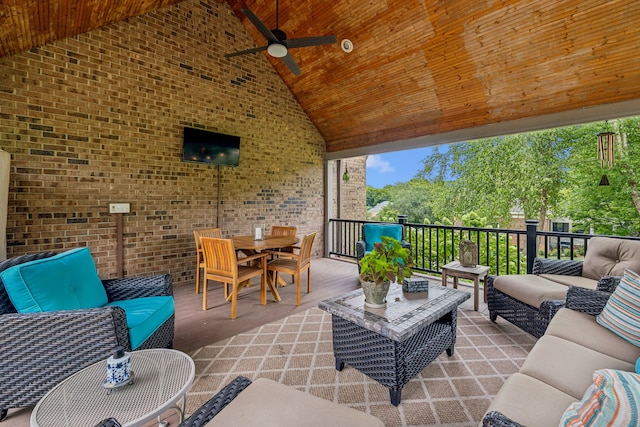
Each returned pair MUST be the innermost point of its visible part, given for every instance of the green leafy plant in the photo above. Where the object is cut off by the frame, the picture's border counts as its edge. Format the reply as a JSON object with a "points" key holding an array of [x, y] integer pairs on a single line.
{"points": [[388, 261]]}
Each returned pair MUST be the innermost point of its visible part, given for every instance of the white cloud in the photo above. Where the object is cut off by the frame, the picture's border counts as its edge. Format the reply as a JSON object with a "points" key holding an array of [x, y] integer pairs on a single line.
{"points": [[382, 166]]}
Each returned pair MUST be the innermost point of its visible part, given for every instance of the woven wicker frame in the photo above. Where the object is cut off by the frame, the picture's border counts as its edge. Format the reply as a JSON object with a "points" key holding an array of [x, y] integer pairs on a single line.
{"points": [[206, 412], [42, 349], [531, 319], [389, 362], [497, 419]]}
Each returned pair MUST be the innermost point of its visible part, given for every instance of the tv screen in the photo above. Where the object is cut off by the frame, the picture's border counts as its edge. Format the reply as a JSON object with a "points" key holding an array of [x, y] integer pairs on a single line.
{"points": [[202, 146]]}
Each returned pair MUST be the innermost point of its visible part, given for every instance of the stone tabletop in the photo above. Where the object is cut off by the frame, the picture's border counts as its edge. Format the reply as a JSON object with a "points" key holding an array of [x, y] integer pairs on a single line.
{"points": [[405, 313]]}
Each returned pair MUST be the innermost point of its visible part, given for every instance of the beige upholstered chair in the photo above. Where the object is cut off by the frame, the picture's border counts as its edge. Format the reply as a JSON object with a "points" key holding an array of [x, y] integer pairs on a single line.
{"points": [[222, 265], [530, 301], [207, 232], [294, 264]]}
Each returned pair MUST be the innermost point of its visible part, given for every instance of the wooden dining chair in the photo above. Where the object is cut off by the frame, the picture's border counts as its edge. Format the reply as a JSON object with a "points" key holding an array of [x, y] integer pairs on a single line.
{"points": [[284, 230], [223, 265], [294, 264], [206, 232]]}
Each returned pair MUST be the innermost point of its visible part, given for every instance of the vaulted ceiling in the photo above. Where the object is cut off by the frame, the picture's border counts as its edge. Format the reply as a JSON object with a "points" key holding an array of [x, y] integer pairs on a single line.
{"points": [[421, 71]]}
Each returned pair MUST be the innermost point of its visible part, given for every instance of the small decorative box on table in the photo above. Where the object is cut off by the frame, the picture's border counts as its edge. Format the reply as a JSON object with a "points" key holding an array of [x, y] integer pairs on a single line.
{"points": [[415, 284], [393, 344]]}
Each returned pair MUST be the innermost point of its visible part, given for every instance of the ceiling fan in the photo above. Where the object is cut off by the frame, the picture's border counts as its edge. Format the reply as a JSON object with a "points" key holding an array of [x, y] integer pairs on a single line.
{"points": [[277, 44]]}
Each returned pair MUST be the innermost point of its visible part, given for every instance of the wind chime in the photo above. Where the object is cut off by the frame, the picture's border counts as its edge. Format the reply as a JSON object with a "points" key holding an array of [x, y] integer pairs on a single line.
{"points": [[605, 152]]}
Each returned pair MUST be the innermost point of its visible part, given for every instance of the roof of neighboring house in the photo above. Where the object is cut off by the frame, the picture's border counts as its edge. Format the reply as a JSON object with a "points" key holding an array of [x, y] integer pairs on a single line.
{"points": [[377, 208]]}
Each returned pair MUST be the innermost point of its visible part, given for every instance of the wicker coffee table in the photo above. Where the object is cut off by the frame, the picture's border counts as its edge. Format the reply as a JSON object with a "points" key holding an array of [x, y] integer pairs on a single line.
{"points": [[162, 378], [393, 344]]}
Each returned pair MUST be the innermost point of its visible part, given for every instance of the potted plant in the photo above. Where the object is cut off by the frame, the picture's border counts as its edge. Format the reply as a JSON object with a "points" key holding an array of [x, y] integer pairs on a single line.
{"points": [[387, 262]]}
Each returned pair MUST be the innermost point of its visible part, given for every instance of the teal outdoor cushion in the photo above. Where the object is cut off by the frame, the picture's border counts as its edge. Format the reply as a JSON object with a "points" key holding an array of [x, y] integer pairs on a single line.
{"points": [[66, 281], [373, 233], [144, 316]]}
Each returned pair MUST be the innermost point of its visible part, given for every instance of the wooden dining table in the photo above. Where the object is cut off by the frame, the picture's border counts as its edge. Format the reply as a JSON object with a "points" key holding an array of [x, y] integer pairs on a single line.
{"points": [[250, 245]]}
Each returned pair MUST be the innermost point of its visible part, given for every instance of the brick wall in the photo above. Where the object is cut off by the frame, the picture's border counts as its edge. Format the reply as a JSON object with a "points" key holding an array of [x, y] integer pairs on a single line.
{"points": [[353, 202], [98, 118]]}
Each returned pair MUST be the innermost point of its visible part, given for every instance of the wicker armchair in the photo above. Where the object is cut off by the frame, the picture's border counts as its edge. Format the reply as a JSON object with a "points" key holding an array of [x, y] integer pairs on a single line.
{"points": [[530, 301], [528, 318], [42, 349], [532, 319]]}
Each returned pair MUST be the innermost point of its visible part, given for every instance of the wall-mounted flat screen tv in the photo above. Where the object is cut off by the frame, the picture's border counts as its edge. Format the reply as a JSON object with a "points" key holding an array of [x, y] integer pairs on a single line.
{"points": [[202, 146]]}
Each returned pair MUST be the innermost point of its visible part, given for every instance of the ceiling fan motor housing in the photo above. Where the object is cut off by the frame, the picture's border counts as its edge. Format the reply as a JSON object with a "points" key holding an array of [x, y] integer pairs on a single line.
{"points": [[280, 35]]}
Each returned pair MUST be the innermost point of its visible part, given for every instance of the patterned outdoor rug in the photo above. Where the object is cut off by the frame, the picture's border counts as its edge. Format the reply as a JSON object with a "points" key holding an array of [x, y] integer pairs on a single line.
{"points": [[297, 351]]}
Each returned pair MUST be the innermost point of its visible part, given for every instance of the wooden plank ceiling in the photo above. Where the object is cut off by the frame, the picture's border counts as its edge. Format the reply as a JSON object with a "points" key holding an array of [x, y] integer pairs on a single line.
{"points": [[418, 67]]}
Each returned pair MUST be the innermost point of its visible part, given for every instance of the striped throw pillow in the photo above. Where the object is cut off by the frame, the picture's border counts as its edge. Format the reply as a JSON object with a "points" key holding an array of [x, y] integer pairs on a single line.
{"points": [[612, 400], [621, 313]]}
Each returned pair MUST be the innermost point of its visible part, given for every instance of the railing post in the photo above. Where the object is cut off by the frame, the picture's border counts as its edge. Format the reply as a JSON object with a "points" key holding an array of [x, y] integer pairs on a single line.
{"points": [[402, 219], [532, 243]]}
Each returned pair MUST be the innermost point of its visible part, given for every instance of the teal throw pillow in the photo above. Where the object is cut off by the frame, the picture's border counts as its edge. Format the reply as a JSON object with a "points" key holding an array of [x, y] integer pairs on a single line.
{"points": [[373, 233], [66, 281]]}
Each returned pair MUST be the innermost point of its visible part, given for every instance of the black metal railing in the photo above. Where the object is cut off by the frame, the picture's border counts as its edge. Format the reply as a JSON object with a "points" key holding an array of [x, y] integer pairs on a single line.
{"points": [[505, 251]]}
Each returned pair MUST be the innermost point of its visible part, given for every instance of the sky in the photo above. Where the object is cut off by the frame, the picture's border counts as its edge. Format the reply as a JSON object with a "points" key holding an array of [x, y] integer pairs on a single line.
{"points": [[392, 168]]}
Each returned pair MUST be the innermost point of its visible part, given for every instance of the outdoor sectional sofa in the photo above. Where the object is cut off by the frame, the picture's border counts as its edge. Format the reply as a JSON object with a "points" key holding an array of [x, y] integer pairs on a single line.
{"points": [[267, 403], [560, 371], [530, 301], [58, 317]]}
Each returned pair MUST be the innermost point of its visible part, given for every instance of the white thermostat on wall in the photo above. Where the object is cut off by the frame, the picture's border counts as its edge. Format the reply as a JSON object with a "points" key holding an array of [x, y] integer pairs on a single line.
{"points": [[119, 207]]}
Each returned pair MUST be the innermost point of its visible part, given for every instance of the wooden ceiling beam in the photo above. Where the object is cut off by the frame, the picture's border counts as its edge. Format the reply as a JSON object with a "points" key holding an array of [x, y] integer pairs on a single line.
{"points": [[418, 67]]}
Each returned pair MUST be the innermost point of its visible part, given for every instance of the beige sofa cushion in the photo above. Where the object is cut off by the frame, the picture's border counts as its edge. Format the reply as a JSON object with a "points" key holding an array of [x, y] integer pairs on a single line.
{"points": [[531, 402], [607, 256], [566, 365], [530, 289], [583, 329], [266, 403], [583, 282]]}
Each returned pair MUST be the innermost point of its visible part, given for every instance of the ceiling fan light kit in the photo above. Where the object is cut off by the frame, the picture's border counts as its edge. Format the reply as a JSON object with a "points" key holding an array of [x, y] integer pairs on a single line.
{"points": [[277, 44], [277, 50]]}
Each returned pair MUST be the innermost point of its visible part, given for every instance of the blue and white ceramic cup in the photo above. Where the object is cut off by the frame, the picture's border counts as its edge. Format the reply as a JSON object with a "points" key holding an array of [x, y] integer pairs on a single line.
{"points": [[118, 367]]}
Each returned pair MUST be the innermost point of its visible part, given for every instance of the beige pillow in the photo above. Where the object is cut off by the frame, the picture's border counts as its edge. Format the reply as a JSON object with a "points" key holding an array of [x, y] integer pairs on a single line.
{"points": [[607, 256]]}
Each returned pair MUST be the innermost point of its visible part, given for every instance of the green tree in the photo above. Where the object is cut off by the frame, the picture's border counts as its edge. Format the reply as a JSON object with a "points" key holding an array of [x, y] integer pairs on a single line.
{"points": [[388, 214], [433, 248], [612, 209], [492, 176], [377, 195], [413, 199]]}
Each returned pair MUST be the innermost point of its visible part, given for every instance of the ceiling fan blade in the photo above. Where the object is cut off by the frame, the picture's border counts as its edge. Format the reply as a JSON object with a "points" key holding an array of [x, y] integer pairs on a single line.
{"points": [[291, 63], [310, 41], [266, 32], [246, 52]]}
